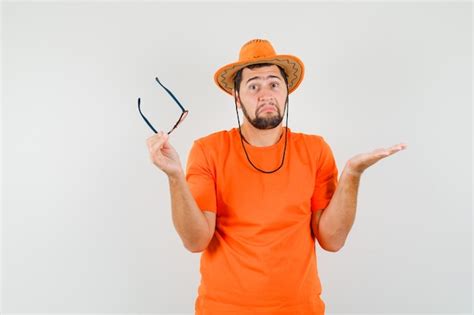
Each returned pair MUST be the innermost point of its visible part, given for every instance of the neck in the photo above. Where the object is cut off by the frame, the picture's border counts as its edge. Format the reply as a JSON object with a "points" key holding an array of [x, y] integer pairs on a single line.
{"points": [[261, 138]]}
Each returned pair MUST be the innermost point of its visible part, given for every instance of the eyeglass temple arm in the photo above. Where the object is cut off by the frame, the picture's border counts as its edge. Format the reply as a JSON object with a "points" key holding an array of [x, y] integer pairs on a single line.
{"points": [[171, 94], [146, 120]]}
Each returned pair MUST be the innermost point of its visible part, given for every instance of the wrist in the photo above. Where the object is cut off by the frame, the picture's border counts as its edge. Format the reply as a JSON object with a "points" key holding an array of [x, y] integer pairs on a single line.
{"points": [[176, 176], [348, 170]]}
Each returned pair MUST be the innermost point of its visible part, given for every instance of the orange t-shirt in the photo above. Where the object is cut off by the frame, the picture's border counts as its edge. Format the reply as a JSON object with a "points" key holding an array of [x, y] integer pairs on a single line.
{"points": [[261, 259]]}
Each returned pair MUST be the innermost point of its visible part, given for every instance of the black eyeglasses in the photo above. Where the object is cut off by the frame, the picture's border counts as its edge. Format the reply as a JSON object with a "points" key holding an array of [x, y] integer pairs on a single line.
{"points": [[181, 118]]}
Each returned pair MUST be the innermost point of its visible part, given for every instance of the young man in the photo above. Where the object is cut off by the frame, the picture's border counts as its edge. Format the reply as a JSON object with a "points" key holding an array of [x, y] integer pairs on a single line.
{"points": [[255, 198]]}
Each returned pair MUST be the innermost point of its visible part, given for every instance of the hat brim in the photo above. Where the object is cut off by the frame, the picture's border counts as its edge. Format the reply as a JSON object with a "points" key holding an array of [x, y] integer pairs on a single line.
{"points": [[293, 66]]}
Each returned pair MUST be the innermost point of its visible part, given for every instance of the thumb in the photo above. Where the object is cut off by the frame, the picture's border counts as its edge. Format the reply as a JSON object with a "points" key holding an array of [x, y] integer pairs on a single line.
{"points": [[166, 144]]}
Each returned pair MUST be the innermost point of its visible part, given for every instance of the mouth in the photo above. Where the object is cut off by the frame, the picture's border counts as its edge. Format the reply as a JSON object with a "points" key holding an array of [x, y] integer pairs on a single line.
{"points": [[267, 108]]}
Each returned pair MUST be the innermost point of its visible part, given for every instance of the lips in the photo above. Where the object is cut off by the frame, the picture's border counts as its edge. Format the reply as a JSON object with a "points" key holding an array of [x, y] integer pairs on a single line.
{"points": [[267, 108]]}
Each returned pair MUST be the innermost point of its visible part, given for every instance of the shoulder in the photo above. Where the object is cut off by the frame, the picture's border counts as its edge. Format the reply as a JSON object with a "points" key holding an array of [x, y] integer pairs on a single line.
{"points": [[214, 138], [308, 139], [313, 144], [215, 144]]}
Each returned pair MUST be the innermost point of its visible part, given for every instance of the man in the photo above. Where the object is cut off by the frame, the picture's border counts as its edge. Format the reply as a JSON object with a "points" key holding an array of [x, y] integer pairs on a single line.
{"points": [[255, 198]]}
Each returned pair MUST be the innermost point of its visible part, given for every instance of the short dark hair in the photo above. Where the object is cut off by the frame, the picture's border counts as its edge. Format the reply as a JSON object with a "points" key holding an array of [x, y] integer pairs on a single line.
{"points": [[238, 75]]}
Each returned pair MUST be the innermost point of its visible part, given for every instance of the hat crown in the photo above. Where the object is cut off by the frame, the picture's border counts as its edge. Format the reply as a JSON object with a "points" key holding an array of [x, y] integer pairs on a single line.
{"points": [[256, 48], [258, 51]]}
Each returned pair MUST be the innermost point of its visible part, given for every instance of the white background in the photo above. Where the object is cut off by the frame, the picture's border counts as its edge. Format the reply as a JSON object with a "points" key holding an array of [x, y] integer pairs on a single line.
{"points": [[86, 217]]}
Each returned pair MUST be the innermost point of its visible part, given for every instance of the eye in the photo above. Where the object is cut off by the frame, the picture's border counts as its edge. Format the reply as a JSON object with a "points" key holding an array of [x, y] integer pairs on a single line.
{"points": [[252, 87], [275, 84]]}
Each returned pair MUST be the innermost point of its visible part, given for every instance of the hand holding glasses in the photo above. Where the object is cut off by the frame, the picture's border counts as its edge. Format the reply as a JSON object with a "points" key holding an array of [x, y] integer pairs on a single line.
{"points": [[181, 118]]}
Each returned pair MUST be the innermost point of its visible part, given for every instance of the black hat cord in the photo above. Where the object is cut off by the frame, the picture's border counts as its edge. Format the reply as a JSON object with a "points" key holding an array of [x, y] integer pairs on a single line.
{"points": [[243, 146]]}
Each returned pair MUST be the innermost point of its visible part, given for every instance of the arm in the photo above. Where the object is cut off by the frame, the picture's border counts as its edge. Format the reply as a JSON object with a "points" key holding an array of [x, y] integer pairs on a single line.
{"points": [[189, 221], [194, 227], [335, 222]]}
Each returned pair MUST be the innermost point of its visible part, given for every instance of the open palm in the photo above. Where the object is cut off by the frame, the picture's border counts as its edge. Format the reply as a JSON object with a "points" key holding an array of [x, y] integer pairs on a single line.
{"points": [[360, 162]]}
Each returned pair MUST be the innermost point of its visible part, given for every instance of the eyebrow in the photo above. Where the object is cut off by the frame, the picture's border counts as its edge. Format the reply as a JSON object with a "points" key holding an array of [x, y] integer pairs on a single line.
{"points": [[259, 78]]}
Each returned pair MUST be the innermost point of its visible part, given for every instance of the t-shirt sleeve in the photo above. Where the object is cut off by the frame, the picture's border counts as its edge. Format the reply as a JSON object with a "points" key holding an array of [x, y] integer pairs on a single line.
{"points": [[200, 178], [326, 178]]}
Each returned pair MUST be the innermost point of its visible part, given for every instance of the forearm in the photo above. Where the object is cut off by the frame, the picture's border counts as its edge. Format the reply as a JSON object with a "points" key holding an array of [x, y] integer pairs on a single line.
{"points": [[337, 219], [188, 219]]}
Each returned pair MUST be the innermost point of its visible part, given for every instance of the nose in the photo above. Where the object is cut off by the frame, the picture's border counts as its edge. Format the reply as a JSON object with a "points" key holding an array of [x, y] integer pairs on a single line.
{"points": [[264, 98]]}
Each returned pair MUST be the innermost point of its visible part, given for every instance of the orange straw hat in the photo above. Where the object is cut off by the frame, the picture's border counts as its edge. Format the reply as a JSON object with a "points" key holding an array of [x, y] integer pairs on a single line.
{"points": [[260, 51]]}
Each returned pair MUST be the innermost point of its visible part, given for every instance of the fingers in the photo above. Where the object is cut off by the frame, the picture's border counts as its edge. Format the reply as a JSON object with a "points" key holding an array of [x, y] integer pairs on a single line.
{"points": [[398, 147], [386, 152], [382, 152], [157, 141], [362, 161]]}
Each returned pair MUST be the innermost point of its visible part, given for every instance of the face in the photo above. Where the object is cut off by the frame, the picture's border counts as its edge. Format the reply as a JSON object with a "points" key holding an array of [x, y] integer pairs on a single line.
{"points": [[262, 96]]}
